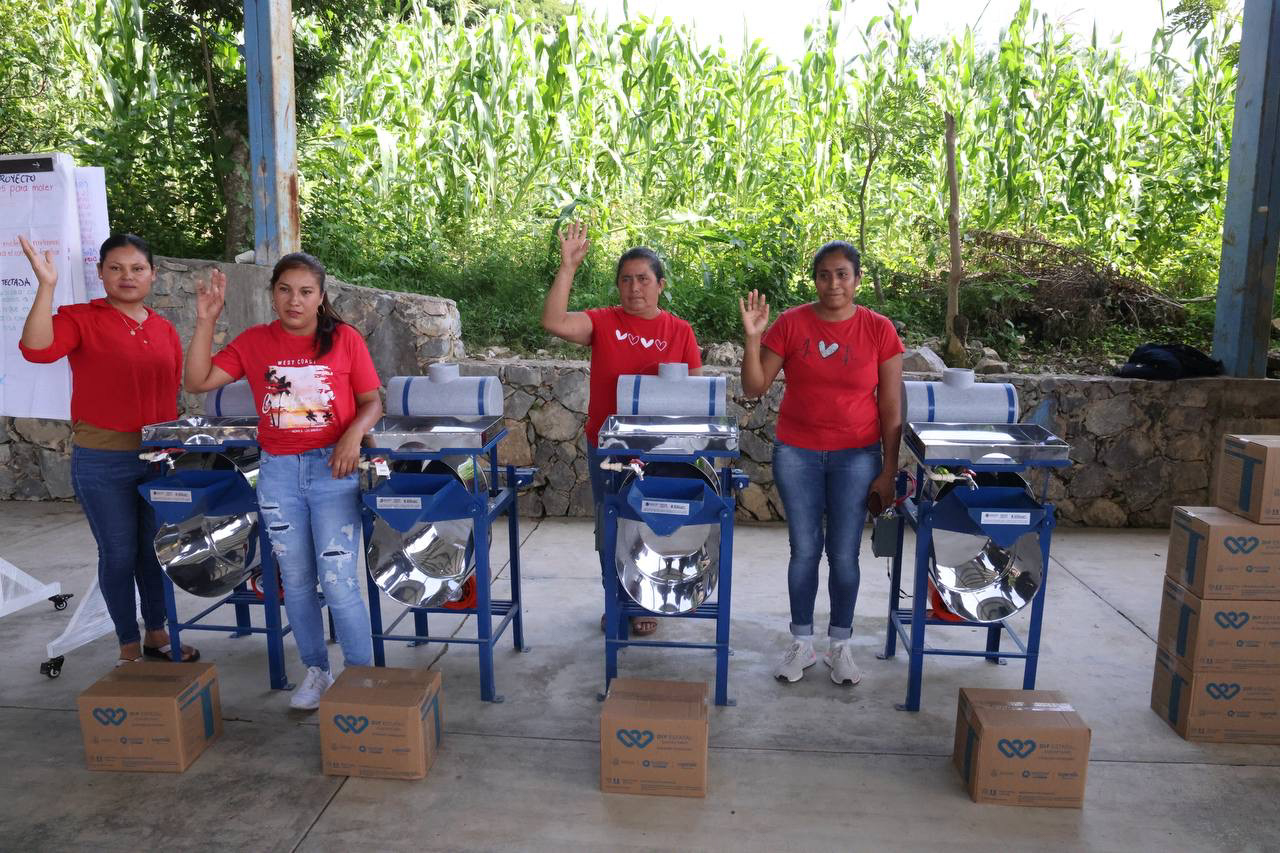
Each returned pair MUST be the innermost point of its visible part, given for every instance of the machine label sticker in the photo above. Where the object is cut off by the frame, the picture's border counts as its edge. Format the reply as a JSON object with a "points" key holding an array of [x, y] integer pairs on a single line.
{"points": [[350, 723], [110, 716], [1222, 690], [399, 503], [1006, 518], [173, 496], [664, 507], [634, 738], [1016, 747]]}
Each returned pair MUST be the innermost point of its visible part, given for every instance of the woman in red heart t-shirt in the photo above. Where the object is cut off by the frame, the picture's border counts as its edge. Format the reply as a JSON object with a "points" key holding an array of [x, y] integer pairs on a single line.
{"points": [[838, 431], [630, 338]]}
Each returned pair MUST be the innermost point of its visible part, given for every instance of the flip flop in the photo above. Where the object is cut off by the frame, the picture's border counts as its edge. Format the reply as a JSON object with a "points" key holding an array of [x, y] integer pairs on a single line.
{"points": [[636, 621], [189, 655], [124, 661]]}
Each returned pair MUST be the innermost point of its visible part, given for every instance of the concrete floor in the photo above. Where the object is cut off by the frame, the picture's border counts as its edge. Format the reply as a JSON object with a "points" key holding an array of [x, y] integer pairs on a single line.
{"points": [[809, 766]]}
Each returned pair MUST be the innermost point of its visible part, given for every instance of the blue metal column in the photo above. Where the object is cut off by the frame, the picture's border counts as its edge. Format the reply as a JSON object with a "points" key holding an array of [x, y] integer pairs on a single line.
{"points": [[1251, 230], [268, 50]]}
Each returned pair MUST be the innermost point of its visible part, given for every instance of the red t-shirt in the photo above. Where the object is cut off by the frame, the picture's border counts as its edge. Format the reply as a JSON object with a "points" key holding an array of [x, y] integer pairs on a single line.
{"points": [[303, 402], [625, 345], [119, 381], [832, 370]]}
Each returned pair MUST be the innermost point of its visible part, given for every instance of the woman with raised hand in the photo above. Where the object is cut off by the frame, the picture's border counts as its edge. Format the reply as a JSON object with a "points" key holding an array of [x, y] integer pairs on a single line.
{"points": [[632, 337], [317, 395], [126, 367], [838, 432]]}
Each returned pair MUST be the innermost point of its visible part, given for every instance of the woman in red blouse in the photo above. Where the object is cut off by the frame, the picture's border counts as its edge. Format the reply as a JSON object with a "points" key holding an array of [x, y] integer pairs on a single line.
{"points": [[838, 432], [126, 367]]}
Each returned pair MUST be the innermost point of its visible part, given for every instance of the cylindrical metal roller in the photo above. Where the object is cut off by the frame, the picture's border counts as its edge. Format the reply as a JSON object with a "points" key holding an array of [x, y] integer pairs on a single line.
{"points": [[234, 400], [672, 392], [958, 399], [444, 393]]}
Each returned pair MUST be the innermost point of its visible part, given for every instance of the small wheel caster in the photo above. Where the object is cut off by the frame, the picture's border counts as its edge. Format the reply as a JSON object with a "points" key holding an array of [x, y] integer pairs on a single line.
{"points": [[52, 668], [60, 601]]}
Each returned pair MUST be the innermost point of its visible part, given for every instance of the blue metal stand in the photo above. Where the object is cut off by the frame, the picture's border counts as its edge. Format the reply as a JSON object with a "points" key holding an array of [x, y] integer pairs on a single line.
{"points": [[483, 508], [619, 607], [241, 599], [910, 623]]}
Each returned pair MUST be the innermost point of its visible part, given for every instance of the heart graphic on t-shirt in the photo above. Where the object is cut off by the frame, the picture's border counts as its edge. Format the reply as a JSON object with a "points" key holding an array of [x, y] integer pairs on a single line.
{"points": [[661, 345], [646, 342], [827, 349], [634, 339]]}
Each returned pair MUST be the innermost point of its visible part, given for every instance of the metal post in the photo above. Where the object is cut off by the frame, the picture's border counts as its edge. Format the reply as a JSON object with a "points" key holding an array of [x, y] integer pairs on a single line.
{"points": [[1251, 227], [1037, 608], [513, 540], [724, 597], [915, 665], [268, 51], [484, 596], [613, 615], [271, 612], [242, 611]]}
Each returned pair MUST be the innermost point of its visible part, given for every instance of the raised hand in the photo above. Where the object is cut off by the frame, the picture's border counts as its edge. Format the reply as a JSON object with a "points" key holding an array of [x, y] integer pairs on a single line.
{"points": [[755, 314], [573, 245], [42, 263], [211, 296]]}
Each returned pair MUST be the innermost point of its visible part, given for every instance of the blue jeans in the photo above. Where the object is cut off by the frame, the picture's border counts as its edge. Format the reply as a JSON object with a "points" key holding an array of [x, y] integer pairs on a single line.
{"points": [[313, 522], [834, 483], [124, 526]]}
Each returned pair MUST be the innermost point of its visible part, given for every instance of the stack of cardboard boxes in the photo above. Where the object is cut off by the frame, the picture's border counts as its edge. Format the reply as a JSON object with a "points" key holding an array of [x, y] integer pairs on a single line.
{"points": [[1217, 673]]}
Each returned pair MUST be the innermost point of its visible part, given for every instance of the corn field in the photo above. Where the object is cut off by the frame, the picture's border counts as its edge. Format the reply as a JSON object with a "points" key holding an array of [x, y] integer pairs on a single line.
{"points": [[442, 158]]}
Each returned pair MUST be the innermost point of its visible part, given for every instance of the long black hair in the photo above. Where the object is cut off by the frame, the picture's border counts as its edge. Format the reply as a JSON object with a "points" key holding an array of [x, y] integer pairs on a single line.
{"points": [[850, 254], [640, 253], [120, 241], [327, 320]]}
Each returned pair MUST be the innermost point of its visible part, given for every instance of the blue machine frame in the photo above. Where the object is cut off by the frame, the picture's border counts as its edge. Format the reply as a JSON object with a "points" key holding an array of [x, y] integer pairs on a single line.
{"points": [[454, 503], [910, 623], [241, 598], [618, 606]]}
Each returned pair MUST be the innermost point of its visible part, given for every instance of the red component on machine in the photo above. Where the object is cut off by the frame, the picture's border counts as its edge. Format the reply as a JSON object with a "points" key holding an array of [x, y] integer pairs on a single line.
{"points": [[468, 599], [940, 610], [255, 584]]}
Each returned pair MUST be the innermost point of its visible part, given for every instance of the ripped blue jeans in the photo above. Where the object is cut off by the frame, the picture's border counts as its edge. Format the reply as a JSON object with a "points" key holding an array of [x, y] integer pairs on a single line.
{"points": [[313, 522]]}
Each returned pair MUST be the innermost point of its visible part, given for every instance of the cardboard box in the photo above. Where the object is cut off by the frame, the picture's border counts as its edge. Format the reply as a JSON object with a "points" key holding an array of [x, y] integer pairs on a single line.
{"points": [[1219, 636], [1218, 707], [154, 717], [382, 722], [1249, 477], [1021, 748], [1217, 554], [653, 738]]}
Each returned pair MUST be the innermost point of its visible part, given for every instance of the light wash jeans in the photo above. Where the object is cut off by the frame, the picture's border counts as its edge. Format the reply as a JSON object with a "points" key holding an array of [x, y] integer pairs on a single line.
{"points": [[124, 526], [834, 484], [313, 522]]}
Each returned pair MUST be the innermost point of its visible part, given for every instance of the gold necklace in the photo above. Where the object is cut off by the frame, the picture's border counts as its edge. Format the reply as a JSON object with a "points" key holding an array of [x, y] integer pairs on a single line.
{"points": [[133, 330]]}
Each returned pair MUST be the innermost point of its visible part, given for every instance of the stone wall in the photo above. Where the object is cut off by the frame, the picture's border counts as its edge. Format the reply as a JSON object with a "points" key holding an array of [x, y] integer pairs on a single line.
{"points": [[1138, 447], [405, 331]]}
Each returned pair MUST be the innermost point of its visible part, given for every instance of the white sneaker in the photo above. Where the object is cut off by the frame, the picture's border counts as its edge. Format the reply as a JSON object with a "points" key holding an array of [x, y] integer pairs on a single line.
{"points": [[799, 657], [840, 658], [307, 696]]}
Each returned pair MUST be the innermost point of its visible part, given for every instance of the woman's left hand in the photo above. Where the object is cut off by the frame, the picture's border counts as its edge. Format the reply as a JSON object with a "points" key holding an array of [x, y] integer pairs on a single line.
{"points": [[883, 488], [346, 455]]}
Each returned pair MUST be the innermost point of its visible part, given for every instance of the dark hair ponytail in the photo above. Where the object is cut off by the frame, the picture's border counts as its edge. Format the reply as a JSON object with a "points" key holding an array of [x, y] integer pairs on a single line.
{"points": [[327, 319], [121, 241]]}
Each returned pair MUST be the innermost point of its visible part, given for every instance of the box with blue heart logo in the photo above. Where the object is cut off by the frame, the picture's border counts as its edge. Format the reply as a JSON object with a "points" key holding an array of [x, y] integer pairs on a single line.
{"points": [[383, 722], [1021, 748], [1248, 477], [653, 738], [1226, 635], [1215, 706], [1217, 554], [153, 717]]}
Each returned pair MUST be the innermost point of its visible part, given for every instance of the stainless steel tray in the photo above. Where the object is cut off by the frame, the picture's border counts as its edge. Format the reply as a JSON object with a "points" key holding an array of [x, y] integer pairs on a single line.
{"points": [[201, 430], [985, 444], [409, 434], [675, 434]]}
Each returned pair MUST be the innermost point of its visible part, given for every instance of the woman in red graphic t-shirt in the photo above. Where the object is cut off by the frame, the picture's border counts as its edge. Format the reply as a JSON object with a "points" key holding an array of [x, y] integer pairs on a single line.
{"points": [[317, 395], [632, 337], [838, 431]]}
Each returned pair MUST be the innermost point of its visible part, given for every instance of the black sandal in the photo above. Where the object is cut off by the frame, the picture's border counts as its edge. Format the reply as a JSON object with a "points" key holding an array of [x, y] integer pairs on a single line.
{"points": [[162, 653]]}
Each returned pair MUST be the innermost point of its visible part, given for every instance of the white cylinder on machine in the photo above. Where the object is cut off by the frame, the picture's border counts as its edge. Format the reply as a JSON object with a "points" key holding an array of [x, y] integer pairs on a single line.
{"points": [[959, 399], [672, 392], [234, 400], [444, 393]]}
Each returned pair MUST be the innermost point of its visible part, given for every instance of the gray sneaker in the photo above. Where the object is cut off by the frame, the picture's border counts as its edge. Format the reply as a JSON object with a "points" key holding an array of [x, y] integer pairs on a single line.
{"points": [[307, 696], [840, 658], [798, 657]]}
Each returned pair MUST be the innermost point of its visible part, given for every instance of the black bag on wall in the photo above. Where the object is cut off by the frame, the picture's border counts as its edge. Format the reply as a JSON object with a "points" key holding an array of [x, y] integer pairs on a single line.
{"points": [[1168, 361]]}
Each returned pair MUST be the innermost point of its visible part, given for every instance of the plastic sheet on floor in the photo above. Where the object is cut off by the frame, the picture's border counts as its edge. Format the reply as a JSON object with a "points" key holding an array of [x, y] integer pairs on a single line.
{"points": [[18, 589], [89, 622]]}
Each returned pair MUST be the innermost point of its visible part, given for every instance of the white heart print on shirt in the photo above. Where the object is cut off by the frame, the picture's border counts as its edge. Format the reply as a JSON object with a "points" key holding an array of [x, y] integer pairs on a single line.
{"points": [[827, 349]]}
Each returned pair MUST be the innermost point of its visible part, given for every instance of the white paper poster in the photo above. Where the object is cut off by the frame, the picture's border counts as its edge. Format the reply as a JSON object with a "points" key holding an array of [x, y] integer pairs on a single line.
{"points": [[38, 200], [91, 200]]}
